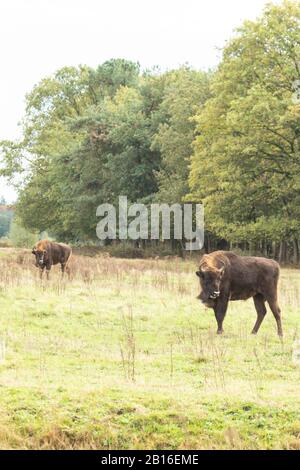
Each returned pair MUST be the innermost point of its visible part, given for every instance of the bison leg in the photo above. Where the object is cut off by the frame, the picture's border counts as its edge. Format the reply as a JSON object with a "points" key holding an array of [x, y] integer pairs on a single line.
{"points": [[65, 268], [220, 312], [277, 314], [41, 272], [68, 271], [261, 310], [47, 273]]}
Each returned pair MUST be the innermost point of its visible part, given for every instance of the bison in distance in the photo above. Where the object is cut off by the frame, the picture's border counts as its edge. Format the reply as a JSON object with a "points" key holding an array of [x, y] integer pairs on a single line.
{"points": [[49, 253]]}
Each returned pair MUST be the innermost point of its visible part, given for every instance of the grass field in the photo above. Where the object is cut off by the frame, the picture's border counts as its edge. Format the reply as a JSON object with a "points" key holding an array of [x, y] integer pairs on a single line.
{"points": [[123, 356]]}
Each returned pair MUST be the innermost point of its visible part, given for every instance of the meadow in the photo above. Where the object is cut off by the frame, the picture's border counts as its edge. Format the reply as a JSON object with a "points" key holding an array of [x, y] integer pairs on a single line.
{"points": [[123, 356]]}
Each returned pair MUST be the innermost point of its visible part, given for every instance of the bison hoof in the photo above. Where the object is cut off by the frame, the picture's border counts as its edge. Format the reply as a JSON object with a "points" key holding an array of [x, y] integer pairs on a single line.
{"points": [[220, 332]]}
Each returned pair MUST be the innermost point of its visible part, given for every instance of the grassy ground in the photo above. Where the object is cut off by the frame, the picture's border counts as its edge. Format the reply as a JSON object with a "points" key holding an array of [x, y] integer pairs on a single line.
{"points": [[124, 356]]}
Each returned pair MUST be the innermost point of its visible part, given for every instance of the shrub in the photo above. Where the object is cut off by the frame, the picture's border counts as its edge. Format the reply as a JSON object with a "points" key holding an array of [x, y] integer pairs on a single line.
{"points": [[20, 236]]}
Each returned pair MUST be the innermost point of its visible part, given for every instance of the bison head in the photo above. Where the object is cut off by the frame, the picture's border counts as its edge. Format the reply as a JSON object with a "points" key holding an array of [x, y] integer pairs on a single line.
{"points": [[41, 257], [210, 282]]}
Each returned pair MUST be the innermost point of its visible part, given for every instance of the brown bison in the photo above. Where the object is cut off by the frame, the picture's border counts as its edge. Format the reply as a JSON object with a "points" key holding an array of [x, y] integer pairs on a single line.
{"points": [[48, 253], [226, 276]]}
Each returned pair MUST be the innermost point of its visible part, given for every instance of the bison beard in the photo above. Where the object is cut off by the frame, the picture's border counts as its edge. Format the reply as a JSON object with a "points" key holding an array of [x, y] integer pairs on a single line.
{"points": [[49, 253], [225, 276]]}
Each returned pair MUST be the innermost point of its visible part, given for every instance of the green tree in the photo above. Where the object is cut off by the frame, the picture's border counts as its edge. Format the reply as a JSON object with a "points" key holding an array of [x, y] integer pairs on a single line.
{"points": [[245, 166], [21, 237], [185, 92], [58, 128], [115, 157]]}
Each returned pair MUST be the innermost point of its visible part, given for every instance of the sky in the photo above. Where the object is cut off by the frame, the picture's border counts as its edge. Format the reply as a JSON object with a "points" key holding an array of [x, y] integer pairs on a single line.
{"points": [[37, 37]]}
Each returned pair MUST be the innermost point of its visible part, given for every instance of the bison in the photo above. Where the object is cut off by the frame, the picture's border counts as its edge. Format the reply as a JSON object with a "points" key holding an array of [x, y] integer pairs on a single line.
{"points": [[48, 253], [225, 276]]}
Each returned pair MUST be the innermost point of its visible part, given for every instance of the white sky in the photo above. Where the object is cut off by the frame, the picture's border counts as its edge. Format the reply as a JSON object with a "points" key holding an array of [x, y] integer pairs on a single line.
{"points": [[39, 36]]}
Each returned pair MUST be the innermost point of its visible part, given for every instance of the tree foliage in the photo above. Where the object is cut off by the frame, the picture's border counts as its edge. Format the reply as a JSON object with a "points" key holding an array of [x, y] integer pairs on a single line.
{"points": [[245, 166], [228, 138], [93, 135]]}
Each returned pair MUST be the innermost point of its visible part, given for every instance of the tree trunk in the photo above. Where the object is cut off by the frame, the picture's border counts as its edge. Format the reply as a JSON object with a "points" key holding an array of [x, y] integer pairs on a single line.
{"points": [[295, 251], [282, 252], [275, 250], [207, 244]]}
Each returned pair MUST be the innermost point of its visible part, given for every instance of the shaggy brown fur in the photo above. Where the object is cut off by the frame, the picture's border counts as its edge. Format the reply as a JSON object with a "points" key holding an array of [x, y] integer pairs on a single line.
{"points": [[226, 276], [48, 253]]}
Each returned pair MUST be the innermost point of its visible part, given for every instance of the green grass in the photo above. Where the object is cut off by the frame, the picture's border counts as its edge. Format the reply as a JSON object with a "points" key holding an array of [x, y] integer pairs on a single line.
{"points": [[124, 356]]}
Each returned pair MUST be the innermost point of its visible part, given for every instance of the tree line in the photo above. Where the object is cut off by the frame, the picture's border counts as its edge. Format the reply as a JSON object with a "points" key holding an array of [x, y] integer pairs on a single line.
{"points": [[229, 138]]}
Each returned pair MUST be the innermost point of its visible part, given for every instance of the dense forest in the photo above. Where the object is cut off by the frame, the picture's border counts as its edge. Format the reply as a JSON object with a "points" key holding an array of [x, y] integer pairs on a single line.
{"points": [[229, 138]]}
